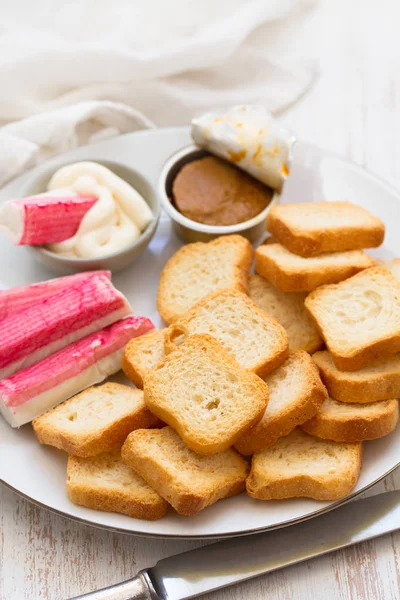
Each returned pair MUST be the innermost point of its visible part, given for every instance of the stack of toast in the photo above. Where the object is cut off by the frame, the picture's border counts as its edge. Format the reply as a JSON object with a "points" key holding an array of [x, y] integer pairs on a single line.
{"points": [[238, 391]]}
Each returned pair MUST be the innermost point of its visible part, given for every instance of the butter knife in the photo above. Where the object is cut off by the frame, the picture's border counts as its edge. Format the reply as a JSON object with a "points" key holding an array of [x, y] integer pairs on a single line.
{"points": [[234, 560]]}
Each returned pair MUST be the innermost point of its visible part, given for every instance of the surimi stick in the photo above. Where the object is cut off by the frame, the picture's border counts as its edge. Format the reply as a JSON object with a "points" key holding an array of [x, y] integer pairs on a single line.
{"points": [[44, 219], [52, 324], [29, 393], [128, 199], [18, 299]]}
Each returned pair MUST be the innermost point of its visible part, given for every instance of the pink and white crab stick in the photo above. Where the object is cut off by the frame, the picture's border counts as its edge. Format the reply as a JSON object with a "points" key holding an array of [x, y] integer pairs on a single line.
{"points": [[18, 299], [53, 323], [29, 393], [44, 219]]}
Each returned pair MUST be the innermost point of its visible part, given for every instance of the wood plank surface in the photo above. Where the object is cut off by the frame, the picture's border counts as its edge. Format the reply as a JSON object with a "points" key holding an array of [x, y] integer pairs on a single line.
{"points": [[354, 109]]}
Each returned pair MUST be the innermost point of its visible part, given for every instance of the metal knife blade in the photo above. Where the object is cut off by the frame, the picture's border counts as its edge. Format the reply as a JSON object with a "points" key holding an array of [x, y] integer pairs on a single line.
{"points": [[225, 563]]}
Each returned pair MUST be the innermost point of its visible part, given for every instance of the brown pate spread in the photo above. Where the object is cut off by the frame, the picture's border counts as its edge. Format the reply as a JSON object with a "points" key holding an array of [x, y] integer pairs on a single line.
{"points": [[214, 192]]}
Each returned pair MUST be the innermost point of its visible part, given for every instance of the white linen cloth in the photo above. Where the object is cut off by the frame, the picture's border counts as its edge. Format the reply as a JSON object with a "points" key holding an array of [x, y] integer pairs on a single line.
{"points": [[74, 72]]}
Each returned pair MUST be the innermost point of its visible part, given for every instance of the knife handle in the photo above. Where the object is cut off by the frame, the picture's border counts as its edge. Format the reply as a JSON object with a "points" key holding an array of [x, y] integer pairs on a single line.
{"points": [[138, 588]]}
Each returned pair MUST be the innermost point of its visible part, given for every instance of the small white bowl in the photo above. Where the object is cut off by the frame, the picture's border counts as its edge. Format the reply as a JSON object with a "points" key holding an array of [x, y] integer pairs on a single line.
{"points": [[191, 231], [117, 260]]}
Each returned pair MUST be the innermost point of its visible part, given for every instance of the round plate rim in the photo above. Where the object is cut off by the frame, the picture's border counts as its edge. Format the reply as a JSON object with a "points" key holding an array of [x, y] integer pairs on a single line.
{"points": [[234, 533], [211, 536]]}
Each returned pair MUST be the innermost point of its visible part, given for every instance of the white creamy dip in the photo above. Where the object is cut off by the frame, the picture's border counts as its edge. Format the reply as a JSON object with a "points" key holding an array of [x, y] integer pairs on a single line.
{"points": [[113, 223]]}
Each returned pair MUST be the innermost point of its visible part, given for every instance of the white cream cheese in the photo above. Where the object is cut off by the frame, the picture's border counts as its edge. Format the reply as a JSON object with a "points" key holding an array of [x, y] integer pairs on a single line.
{"points": [[249, 137], [113, 223]]}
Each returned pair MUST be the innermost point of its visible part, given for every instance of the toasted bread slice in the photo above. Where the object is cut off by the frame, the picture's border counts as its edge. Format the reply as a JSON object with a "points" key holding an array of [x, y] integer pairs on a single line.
{"points": [[94, 421], [302, 466], [380, 381], [344, 422], [205, 395], [188, 481], [257, 341], [288, 309], [359, 318], [296, 393], [311, 228], [198, 269], [394, 267], [292, 273], [105, 483], [142, 354]]}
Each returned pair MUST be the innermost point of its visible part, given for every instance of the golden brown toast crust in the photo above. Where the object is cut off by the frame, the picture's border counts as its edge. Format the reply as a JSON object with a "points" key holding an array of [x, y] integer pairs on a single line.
{"points": [[222, 430], [307, 241], [357, 427], [166, 305], [275, 356], [364, 386], [307, 276], [270, 428], [104, 498], [170, 482], [109, 435], [299, 486], [132, 361], [265, 484], [322, 301], [288, 309]]}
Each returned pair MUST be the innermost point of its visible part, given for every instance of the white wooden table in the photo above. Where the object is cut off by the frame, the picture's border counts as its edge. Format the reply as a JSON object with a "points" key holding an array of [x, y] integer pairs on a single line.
{"points": [[354, 110]]}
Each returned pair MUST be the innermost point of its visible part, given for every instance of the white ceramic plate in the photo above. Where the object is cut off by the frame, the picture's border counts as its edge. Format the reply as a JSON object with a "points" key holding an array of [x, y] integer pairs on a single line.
{"points": [[39, 472]]}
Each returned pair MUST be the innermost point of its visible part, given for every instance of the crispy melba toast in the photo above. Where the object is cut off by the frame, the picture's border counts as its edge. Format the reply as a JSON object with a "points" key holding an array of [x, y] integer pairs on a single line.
{"points": [[296, 393], [257, 341], [205, 395], [344, 422], [311, 228], [380, 381], [288, 309], [105, 483], [197, 269], [94, 421], [142, 354], [292, 273], [302, 466], [359, 318], [188, 481]]}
